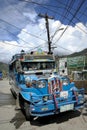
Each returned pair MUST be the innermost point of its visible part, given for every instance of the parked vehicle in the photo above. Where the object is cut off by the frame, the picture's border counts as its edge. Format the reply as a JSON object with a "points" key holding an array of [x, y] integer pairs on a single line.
{"points": [[1, 75], [40, 90]]}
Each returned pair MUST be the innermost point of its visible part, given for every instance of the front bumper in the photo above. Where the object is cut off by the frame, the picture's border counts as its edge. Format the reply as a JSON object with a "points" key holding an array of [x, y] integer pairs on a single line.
{"points": [[57, 105]]}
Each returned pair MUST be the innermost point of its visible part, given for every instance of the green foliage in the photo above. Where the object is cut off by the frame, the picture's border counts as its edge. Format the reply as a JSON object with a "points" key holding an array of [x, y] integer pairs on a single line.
{"points": [[4, 69]]}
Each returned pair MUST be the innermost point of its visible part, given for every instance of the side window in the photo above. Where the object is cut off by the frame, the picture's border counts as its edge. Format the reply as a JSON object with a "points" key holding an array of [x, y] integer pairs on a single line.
{"points": [[65, 64], [18, 66]]}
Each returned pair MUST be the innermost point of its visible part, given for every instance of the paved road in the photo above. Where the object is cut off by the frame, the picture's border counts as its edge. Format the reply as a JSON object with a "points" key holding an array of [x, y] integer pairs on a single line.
{"points": [[10, 119]]}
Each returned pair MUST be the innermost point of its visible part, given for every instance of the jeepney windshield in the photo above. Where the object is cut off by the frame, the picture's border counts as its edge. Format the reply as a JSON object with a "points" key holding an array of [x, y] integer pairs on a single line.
{"points": [[26, 66]]}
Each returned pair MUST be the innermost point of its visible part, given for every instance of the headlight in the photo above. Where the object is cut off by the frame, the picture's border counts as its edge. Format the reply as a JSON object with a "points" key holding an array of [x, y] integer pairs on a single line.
{"points": [[64, 94], [65, 83], [45, 98], [41, 84]]}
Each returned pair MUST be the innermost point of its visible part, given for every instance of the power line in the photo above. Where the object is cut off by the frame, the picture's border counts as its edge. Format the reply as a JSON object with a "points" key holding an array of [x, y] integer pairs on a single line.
{"points": [[13, 44], [71, 3], [19, 43], [22, 30], [59, 2], [58, 12], [62, 3], [65, 14], [71, 20], [20, 13], [83, 13], [64, 48], [15, 36], [37, 36], [35, 47], [62, 18]]}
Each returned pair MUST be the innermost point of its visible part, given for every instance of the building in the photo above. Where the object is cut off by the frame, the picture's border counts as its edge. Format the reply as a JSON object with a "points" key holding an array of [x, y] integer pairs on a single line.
{"points": [[73, 62]]}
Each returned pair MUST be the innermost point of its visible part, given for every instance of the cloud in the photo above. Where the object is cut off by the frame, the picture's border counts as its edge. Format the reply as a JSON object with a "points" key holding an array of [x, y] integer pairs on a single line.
{"points": [[23, 29], [33, 36], [14, 17], [7, 49], [74, 39]]}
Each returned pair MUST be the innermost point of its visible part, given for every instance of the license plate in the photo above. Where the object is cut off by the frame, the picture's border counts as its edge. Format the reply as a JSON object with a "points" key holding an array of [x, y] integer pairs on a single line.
{"points": [[66, 107], [64, 94], [44, 109]]}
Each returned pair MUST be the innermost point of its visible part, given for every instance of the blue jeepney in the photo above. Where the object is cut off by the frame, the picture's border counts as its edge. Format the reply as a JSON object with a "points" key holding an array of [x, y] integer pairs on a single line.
{"points": [[41, 91]]}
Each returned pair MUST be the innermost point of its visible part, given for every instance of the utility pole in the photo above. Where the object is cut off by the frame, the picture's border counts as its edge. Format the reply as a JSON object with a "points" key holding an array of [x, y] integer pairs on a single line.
{"points": [[47, 27]]}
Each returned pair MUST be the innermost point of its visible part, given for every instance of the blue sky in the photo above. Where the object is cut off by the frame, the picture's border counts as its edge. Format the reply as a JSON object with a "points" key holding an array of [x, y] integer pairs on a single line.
{"points": [[22, 28]]}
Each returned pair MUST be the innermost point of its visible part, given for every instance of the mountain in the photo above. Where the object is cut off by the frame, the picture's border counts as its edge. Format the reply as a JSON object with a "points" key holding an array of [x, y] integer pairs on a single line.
{"points": [[83, 52], [3, 67]]}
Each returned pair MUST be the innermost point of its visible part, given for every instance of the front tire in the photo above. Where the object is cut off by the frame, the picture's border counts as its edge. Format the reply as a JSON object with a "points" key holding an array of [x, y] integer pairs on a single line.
{"points": [[27, 111]]}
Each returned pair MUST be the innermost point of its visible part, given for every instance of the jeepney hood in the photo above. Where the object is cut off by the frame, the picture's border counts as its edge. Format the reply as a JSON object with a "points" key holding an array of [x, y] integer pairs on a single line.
{"points": [[38, 91], [27, 93], [34, 88]]}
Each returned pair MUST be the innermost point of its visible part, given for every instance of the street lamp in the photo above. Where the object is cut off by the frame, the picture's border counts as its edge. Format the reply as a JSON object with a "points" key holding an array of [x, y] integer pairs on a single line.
{"points": [[55, 33], [53, 47]]}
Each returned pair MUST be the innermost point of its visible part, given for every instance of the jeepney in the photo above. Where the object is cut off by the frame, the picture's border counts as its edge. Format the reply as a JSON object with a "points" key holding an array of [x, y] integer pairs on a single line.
{"points": [[41, 91]]}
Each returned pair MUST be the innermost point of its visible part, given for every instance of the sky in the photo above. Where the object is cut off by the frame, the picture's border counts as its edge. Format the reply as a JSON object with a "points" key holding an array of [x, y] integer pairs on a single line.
{"points": [[22, 28]]}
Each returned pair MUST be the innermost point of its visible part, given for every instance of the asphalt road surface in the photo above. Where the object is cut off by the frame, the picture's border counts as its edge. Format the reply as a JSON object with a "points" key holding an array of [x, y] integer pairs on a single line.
{"points": [[11, 119]]}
